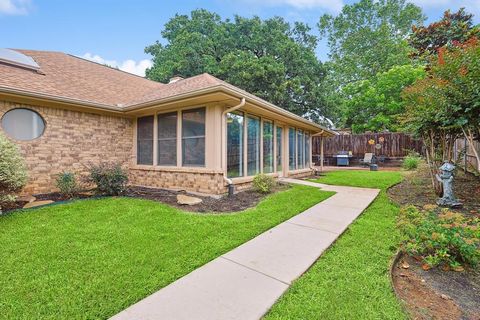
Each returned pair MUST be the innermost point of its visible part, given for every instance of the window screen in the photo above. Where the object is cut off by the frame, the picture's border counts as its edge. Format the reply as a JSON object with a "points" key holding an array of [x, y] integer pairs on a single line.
{"points": [[145, 140], [167, 139], [193, 138]]}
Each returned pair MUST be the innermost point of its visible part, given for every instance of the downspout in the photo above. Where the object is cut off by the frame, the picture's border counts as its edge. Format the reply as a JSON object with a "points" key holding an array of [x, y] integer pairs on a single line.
{"points": [[224, 165]]}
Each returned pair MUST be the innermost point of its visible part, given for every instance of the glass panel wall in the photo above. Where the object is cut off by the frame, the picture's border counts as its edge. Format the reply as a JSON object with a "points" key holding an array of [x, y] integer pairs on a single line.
{"points": [[193, 138], [145, 140], [253, 145], [279, 149], [291, 149], [267, 147], [300, 150], [167, 139], [235, 148], [307, 150]]}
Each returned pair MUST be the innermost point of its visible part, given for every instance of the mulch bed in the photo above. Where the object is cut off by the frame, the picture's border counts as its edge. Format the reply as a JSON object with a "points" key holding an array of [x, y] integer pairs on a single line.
{"points": [[9, 206], [437, 293], [417, 189], [237, 202]]}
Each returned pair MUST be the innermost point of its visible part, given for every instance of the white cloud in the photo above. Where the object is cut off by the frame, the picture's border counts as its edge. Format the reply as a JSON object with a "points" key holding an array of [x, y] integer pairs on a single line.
{"points": [[472, 6], [15, 7], [129, 65]]}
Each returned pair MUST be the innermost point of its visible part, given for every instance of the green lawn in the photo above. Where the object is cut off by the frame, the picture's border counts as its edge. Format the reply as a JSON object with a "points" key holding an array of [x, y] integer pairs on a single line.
{"points": [[351, 280], [93, 258]]}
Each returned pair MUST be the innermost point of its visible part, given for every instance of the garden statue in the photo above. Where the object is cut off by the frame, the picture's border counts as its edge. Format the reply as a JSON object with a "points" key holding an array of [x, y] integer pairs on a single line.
{"points": [[446, 178]]}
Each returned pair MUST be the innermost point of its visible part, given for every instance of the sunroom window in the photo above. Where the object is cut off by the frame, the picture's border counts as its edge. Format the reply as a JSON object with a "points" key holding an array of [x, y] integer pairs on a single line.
{"points": [[253, 145], [267, 147], [235, 147], [279, 148], [300, 150], [307, 150], [193, 138], [291, 149]]}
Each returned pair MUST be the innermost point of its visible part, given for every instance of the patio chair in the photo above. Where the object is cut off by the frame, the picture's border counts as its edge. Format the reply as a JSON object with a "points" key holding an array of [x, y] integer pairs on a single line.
{"points": [[367, 159]]}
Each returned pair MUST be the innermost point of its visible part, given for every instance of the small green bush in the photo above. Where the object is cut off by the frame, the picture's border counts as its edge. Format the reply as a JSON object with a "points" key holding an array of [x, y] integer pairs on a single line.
{"points": [[13, 171], [445, 239], [66, 182], [263, 183], [411, 162], [110, 178]]}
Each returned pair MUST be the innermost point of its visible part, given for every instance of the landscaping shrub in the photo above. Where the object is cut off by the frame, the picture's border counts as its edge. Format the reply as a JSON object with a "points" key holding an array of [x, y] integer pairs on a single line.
{"points": [[110, 178], [411, 162], [66, 182], [448, 239], [263, 183], [13, 171]]}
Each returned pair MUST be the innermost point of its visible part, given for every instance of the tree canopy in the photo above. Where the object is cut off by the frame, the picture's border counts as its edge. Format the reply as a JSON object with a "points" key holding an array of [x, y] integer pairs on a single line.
{"points": [[446, 104], [452, 29], [269, 58], [376, 104], [368, 37]]}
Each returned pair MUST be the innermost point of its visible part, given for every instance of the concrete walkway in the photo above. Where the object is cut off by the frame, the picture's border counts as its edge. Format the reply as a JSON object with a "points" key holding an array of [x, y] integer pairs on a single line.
{"points": [[245, 282]]}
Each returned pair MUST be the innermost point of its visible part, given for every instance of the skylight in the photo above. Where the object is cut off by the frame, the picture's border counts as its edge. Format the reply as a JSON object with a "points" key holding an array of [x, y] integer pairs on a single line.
{"points": [[16, 58]]}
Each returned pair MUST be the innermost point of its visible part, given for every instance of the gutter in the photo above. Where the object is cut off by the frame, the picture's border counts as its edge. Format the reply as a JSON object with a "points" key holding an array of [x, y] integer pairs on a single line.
{"points": [[60, 99], [223, 143]]}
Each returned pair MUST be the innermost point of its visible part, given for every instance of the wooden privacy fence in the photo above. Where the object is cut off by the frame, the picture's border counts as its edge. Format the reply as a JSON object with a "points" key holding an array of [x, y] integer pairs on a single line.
{"points": [[465, 156], [392, 145]]}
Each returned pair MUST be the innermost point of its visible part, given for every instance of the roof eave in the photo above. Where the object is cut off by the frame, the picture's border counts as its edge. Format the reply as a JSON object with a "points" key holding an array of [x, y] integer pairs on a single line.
{"points": [[59, 99], [234, 92]]}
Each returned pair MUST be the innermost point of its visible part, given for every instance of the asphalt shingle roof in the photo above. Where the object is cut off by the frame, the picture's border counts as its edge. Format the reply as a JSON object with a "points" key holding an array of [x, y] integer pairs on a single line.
{"points": [[68, 76]]}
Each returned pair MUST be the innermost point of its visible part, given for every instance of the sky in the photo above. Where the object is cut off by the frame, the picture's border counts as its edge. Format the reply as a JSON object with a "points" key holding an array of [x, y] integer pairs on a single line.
{"points": [[116, 32]]}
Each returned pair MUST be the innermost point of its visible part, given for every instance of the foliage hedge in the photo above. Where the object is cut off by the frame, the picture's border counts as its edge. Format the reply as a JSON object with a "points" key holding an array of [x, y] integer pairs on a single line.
{"points": [[263, 183], [448, 239], [13, 171], [110, 178]]}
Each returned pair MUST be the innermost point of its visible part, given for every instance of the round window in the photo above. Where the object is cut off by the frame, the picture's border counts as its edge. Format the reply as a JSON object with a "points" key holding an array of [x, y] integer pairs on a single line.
{"points": [[23, 124]]}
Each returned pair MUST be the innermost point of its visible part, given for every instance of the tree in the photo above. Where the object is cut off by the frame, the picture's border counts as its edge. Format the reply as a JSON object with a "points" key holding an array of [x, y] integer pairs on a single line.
{"points": [[368, 37], [459, 69], [269, 58], [446, 104], [452, 29], [376, 104]]}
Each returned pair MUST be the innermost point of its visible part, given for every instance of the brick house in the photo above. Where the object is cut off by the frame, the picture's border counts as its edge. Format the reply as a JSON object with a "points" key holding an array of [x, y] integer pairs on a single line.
{"points": [[199, 134]]}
